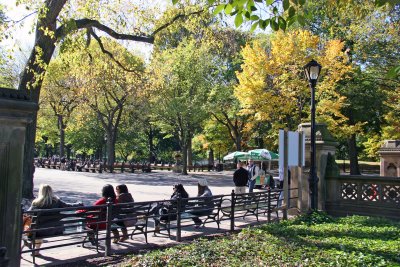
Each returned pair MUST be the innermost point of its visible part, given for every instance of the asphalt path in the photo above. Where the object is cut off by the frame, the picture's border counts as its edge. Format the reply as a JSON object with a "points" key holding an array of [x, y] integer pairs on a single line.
{"points": [[86, 187]]}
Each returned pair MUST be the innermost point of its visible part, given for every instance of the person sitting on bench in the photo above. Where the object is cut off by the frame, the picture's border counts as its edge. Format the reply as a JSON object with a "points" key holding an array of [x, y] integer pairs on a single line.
{"points": [[164, 209], [123, 196], [93, 224], [203, 191], [47, 200]]}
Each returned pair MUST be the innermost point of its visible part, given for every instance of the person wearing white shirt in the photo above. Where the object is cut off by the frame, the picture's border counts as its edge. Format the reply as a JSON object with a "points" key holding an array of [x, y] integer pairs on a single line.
{"points": [[253, 174]]}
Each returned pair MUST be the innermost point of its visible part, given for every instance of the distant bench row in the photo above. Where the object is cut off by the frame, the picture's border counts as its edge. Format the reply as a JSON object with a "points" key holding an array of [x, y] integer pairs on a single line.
{"points": [[117, 167]]}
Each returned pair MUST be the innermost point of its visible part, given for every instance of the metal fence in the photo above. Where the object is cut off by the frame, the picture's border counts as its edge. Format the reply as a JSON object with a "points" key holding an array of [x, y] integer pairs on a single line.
{"points": [[92, 225]]}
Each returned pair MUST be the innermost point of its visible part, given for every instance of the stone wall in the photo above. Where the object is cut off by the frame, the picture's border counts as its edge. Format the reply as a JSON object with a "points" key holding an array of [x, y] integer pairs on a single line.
{"points": [[390, 158], [15, 114]]}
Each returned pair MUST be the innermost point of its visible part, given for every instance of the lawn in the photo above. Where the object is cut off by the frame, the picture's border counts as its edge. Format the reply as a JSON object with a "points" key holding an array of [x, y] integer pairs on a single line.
{"points": [[311, 240]]}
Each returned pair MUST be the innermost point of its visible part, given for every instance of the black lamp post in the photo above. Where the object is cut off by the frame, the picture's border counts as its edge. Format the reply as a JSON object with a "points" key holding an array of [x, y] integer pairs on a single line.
{"points": [[105, 148], [312, 71]]}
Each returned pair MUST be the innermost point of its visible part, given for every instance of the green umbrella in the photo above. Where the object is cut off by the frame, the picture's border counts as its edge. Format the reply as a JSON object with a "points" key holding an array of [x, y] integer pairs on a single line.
{"points": [[236, 155], [262, 154]]}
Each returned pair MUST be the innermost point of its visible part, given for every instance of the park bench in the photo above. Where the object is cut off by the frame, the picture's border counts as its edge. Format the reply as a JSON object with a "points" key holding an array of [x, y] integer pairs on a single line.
{"points": [[199, 167], [70, 226], [256, 203], [55, 165], [133, 215], [93, 168], [49, 225], [184, 210], [162, 166]]}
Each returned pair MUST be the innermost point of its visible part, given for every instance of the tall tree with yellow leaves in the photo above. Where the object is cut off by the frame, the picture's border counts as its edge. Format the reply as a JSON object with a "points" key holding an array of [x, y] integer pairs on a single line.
{"points": [[272, 86]]}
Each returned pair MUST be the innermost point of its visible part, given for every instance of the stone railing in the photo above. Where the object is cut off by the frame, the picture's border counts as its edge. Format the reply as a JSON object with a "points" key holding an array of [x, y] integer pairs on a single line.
{"points": [[363, 195]]}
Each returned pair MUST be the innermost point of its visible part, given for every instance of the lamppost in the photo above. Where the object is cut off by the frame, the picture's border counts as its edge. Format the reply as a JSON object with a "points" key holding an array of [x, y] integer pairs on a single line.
{"points": [[105, 148], [312, 71]]}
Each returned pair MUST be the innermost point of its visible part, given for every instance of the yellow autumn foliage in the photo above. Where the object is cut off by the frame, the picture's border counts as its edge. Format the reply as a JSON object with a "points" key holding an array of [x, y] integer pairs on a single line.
{"points": [[272, 85]]}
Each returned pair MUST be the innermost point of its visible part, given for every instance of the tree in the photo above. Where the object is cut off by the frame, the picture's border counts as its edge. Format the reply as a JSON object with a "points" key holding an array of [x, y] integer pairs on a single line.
{"points": [[60, 93], [279, 15], [106, 88], [272, 87], [181, 84], [371, 42], [85, 133], [56, 22], [223, 105]]}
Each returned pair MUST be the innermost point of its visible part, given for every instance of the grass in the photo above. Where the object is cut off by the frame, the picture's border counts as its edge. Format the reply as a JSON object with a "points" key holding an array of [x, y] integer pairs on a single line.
{"points": [[310, 240]]}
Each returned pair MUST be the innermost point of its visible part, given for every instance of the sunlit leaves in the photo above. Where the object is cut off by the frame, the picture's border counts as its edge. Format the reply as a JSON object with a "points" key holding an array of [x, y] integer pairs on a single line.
{"points": [[272, 87], [218, 9], [238, 20]]}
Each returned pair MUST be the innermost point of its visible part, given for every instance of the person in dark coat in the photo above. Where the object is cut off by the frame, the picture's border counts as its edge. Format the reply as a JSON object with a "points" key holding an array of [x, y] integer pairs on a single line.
{"points": [[240, 178], [203, 192], [47, 200], [123, 196], [163, 210]]}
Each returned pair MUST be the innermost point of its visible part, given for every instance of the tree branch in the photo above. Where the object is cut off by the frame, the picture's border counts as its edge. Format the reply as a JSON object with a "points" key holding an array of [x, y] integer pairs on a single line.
{"points": [[162, 27], [108, 53], [62, 31]]}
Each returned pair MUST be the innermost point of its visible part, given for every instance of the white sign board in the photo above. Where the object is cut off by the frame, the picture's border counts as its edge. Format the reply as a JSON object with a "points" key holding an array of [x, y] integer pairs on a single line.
{"points": [[296, 149]]}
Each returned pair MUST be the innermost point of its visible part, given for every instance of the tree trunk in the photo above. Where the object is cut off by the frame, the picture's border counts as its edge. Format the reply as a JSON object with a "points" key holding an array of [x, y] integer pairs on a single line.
{"points": [[211, 157], [353, 155], [31, 82], [184, 159], [238, 142], [68, 147], [111, 151], [151, 145], [189, 152], [62, 135]]}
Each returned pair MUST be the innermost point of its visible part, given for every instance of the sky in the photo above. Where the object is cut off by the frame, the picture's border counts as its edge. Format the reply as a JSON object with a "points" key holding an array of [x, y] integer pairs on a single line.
{"points": [[21, 39]]}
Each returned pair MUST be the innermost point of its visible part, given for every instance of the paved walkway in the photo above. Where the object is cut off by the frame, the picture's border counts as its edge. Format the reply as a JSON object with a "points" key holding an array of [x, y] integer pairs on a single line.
{"points": [[157, 185]]}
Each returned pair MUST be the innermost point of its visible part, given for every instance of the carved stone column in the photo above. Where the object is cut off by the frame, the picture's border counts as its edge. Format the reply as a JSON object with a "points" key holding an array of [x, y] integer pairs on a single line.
{"points": [[390, 158], [325, 145], [15, 114]]}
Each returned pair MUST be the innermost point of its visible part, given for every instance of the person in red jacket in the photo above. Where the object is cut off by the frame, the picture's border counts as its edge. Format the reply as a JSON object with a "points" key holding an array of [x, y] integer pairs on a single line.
{"points": [[99, 223]]}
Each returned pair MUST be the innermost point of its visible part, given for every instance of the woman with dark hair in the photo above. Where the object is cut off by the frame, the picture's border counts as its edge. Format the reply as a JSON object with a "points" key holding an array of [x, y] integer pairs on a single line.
{"points": [[123, 196], [167, 207], [106, 193]]}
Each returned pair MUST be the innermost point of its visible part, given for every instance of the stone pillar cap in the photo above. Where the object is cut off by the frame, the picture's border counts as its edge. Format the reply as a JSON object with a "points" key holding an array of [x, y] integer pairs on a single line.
{"points": [[390, 146]]}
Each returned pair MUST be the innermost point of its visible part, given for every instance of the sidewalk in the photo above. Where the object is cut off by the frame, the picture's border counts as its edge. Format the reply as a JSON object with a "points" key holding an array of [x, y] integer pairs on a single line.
{"points": [[157, 185]]}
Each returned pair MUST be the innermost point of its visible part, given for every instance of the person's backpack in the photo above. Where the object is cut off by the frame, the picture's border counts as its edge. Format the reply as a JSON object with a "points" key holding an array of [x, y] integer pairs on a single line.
{"points": [[271, 182]]}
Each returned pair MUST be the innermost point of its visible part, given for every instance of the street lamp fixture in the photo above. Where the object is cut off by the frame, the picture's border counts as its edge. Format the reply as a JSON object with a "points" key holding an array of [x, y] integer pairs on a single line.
{"points": [[312, 71], [105, 148]]}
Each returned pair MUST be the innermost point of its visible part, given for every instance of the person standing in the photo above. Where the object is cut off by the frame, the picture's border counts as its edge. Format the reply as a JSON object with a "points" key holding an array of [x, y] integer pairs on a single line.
{"points": [[253, 173], [240, 178]]}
